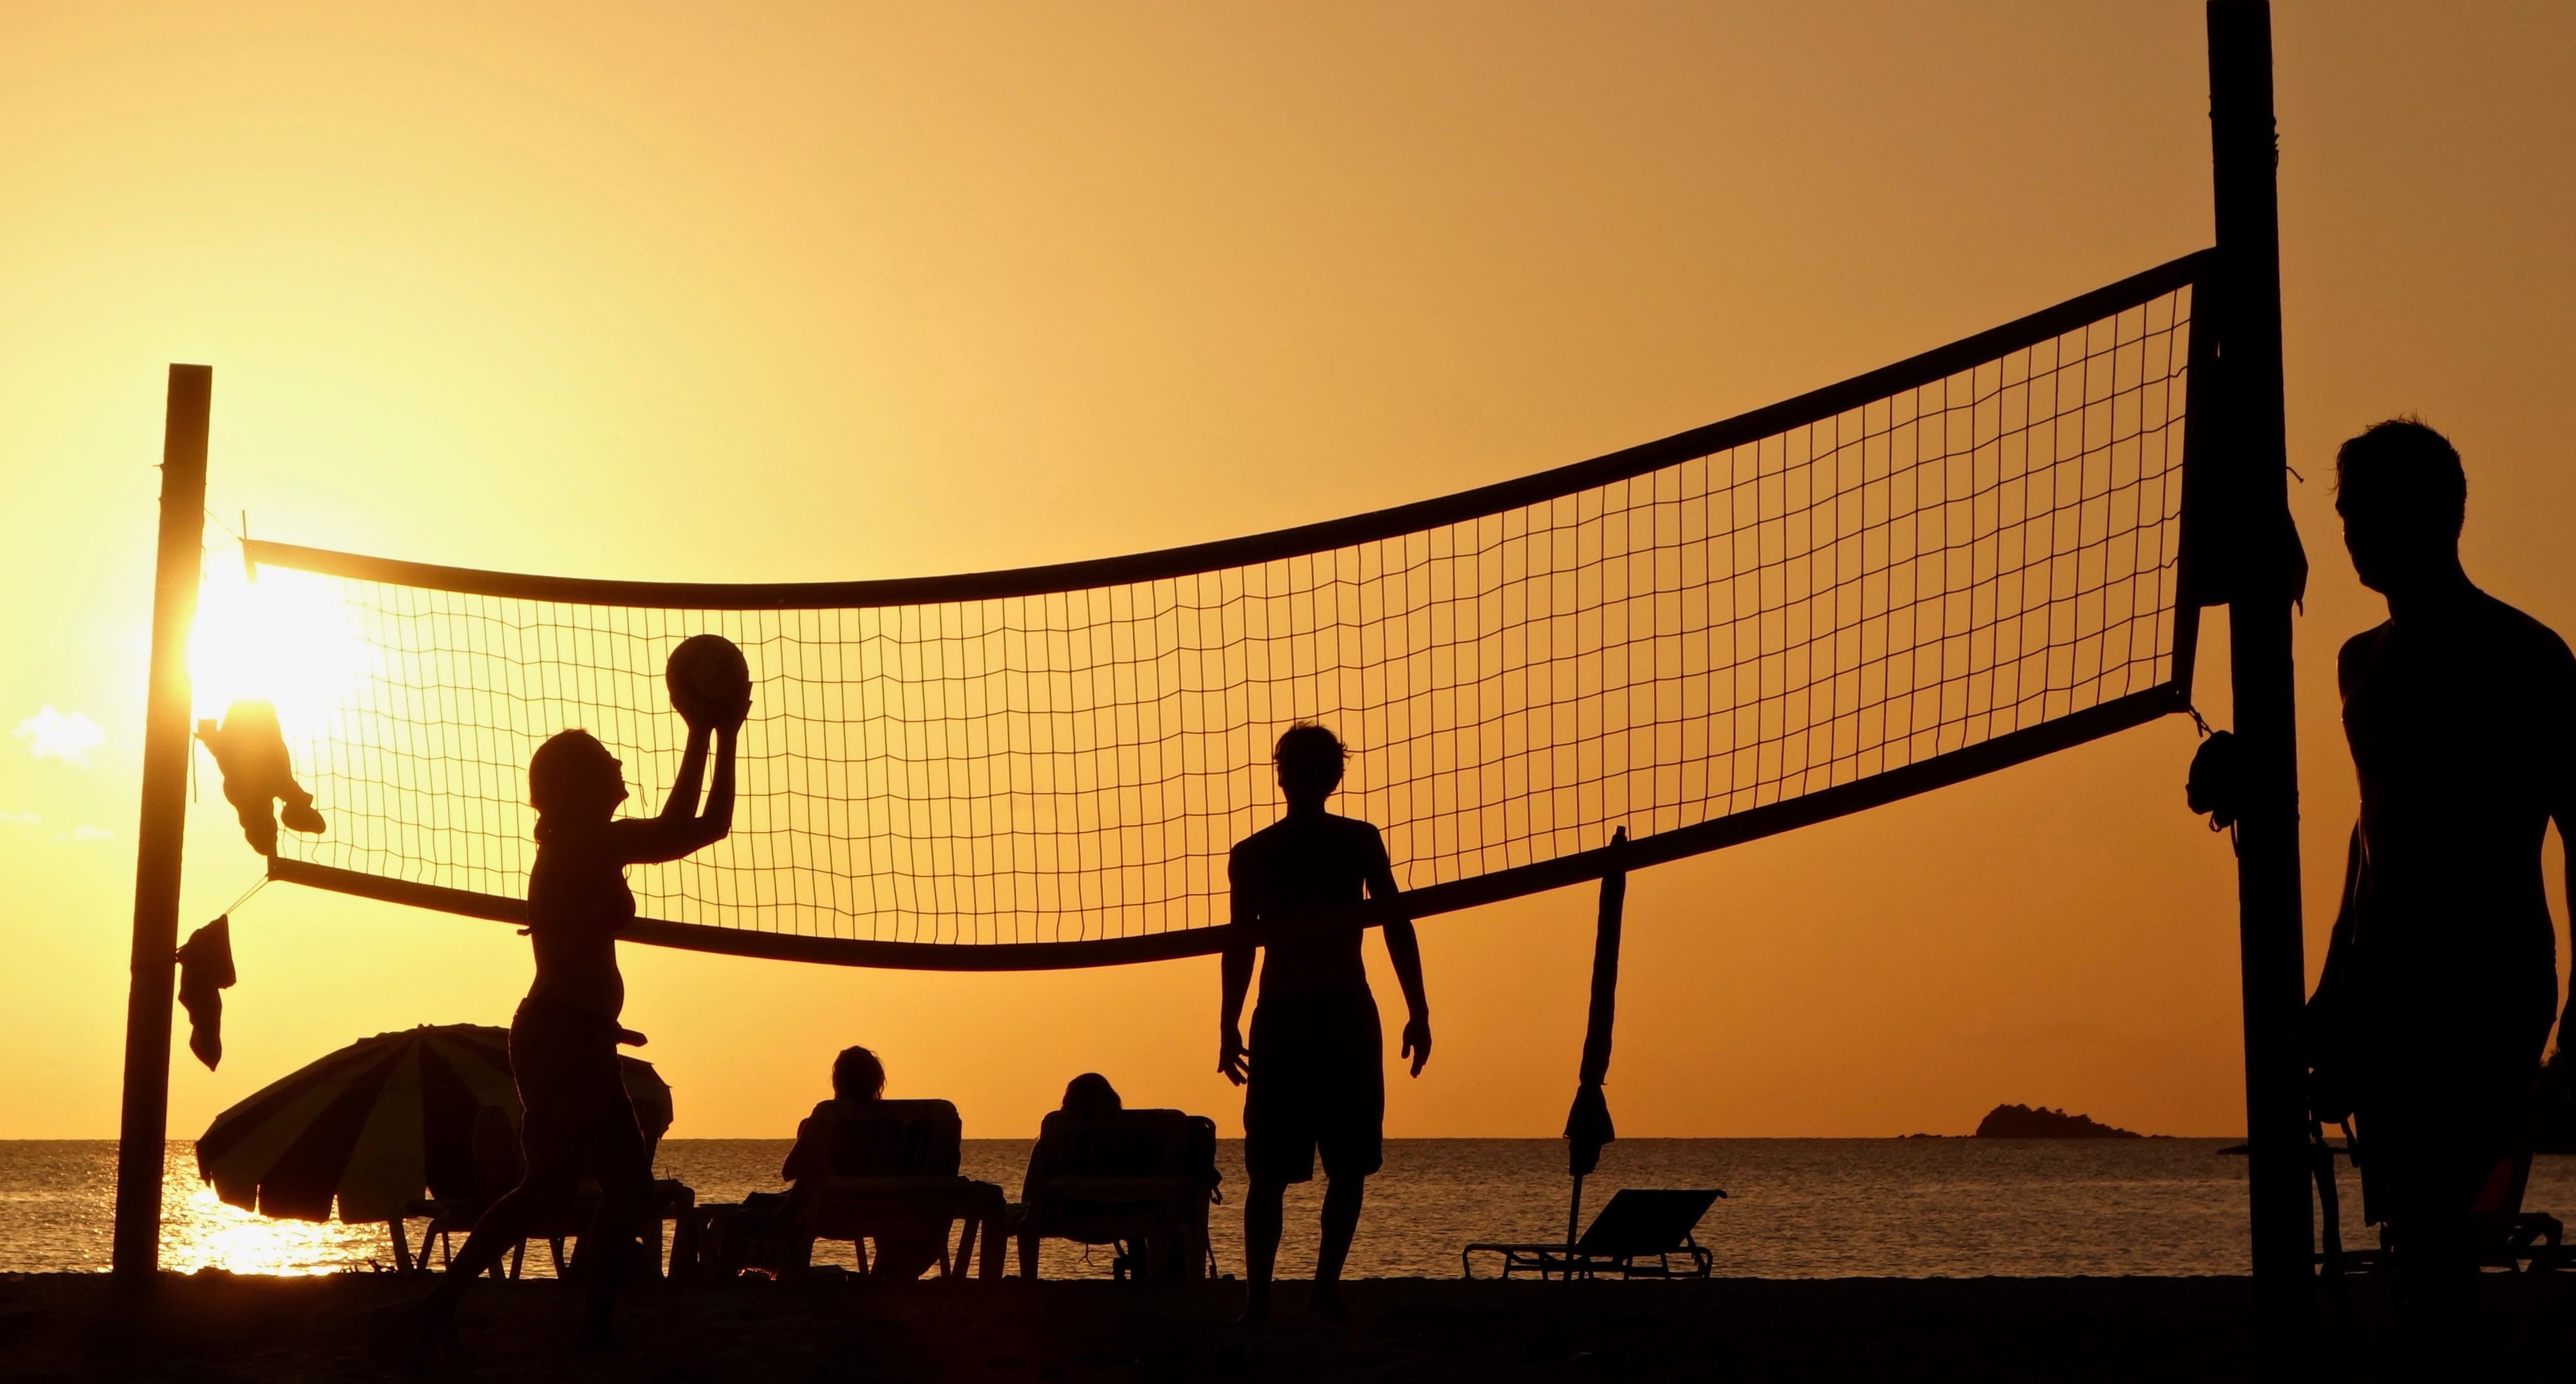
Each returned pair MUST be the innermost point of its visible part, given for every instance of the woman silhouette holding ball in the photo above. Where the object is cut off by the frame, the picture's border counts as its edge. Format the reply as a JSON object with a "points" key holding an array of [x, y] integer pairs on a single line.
{"points": [[564, 1038]]}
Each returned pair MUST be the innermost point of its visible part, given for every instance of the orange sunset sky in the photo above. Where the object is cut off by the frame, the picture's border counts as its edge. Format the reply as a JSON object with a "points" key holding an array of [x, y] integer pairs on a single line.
{"points": [[776, 292]]}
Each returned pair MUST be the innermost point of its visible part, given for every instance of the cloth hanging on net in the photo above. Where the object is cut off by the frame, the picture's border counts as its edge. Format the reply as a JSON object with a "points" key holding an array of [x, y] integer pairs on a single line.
{"points": [[205, 972]]}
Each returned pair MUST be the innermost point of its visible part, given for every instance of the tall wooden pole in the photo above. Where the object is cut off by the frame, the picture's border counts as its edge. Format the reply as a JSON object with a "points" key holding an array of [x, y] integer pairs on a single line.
{"points": [[161, 831], [2253, 453]]}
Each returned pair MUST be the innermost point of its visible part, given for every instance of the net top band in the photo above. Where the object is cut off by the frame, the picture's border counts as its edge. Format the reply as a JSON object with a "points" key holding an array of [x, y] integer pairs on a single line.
{"points": [[1297, 541]]}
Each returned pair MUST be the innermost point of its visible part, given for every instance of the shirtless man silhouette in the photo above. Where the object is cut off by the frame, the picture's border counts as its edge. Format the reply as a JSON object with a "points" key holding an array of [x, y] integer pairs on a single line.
{"points": [[564, 1039], [1316, 1082], [2441, 980]]}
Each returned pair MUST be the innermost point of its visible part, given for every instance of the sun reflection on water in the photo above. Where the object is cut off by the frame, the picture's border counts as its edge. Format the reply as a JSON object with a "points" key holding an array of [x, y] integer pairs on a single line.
{"points": [[58, 1208], [199, 1231]]}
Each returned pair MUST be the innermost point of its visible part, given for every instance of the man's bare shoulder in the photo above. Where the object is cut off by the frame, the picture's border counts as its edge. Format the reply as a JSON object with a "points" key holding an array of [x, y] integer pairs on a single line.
{"points": [[1358, 832], [2526, 635], [1260, 842], [2358, 655], [1357, 826], [1340, 833]]}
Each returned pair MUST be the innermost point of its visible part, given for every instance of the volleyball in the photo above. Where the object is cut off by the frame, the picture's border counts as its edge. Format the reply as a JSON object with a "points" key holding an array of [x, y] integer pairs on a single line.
{"points": [[709, 681]]}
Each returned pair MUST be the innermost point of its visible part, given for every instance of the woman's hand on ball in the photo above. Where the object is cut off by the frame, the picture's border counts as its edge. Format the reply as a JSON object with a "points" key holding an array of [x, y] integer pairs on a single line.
{"points": [[728, 714]]}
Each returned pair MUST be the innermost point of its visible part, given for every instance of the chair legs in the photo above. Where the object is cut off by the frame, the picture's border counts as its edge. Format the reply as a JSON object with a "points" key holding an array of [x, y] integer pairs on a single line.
{"points": [[1167, 1247], [989, 1269], [979, 1231], [1198, 1257]]}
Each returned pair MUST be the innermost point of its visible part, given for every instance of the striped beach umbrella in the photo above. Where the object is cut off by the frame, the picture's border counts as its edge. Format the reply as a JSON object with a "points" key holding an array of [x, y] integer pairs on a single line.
{"points": [[379, 1121]]}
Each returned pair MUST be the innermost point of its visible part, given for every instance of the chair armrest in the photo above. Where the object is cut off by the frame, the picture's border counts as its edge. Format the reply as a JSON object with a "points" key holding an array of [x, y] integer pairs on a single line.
{"points": [[957, 1196], [1126, 1187], [894, 1184]]}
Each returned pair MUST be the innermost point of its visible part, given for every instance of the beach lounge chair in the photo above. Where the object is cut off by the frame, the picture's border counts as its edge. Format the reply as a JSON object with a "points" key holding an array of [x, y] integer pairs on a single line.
{"points": [[1635, 1236], [671, 1201], [894, 1171], [2507, 1235], [494, 1167], [1139, 1180]]}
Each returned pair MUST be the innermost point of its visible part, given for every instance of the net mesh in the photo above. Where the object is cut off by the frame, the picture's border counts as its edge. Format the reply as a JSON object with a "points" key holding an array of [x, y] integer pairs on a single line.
{"points": [[1973, 554]]}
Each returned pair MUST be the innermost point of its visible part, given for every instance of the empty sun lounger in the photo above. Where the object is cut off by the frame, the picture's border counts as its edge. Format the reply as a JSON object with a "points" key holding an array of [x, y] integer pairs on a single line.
{"points": [[1635, 1236], [2507, 1235]]}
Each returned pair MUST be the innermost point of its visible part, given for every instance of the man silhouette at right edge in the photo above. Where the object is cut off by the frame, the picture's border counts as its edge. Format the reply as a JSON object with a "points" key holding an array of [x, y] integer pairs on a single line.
{"points": [[2441, 980], [1317, 1082]]}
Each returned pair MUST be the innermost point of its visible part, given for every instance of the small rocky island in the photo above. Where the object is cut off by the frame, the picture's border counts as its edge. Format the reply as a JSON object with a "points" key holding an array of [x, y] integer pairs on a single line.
{"points": [[2035, 1122]]}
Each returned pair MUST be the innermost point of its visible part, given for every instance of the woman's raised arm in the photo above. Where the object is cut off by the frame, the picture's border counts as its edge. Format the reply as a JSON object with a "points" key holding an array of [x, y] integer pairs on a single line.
{"points": [[681, 828]]}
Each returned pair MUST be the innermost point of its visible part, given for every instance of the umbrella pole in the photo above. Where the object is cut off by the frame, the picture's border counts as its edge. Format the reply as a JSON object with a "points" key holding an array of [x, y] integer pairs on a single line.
{"points": [[1574, 1213], [1587, 1125]]}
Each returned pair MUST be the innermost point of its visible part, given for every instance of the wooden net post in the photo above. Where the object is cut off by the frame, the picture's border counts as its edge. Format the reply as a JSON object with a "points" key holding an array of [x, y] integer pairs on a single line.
{"points": [[2254, 459], [161, 831]]}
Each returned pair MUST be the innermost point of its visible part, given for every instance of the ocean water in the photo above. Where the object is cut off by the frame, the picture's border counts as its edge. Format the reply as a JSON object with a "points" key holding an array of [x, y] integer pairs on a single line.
{"points": [[1796, 1208]]}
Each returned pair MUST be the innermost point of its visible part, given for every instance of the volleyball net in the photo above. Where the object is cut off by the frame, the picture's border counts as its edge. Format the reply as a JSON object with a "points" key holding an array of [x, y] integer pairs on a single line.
{"points": [[1949, 565]]}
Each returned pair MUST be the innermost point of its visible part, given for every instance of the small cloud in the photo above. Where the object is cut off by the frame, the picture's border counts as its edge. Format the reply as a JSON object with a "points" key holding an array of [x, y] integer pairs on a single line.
{"points": [[20, 819], [50, 734], [86, 832]]}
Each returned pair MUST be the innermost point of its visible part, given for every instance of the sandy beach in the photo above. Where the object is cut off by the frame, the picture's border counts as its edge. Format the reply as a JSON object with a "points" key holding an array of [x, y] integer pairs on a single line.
{"points": [[221, 1327]]}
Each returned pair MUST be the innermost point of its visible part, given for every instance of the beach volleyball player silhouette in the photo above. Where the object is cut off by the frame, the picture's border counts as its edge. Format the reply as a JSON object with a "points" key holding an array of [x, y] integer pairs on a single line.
{"points": [[1314, 1073], [564, 1038], [2441, 979]]}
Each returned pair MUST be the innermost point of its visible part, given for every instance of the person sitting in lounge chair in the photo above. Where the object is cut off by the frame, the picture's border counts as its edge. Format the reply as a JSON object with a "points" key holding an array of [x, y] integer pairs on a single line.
{"points": [[1088, 1096], [858, 1080], [1137, 1179]]}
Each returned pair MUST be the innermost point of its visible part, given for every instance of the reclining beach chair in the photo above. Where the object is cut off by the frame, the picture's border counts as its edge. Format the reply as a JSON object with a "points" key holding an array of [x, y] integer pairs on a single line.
{"points": [[1139, 1180], [1635, 1228], [894, 1170], [2506, 1235], [495, 1166]]}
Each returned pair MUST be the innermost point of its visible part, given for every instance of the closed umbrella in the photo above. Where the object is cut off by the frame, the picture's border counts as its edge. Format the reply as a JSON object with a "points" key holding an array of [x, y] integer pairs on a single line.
{"points": [[379, 1121], [1587, 1123]]}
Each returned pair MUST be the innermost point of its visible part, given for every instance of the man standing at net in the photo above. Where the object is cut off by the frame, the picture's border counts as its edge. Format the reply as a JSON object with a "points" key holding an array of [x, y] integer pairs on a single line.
{"points": [[2441, 981], [1317, 1083]]}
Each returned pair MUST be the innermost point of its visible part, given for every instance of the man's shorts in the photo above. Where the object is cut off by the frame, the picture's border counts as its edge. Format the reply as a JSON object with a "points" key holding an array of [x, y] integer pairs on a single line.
{"points": [[1318, 1084]]}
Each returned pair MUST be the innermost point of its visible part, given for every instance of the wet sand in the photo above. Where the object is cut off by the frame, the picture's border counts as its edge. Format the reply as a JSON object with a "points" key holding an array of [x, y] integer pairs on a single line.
{"points": [[215, 1326]]}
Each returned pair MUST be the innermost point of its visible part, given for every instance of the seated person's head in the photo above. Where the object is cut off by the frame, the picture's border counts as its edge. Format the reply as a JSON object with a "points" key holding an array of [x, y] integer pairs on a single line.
{"points": [[857, 1076], [572, 778], [2401, 492], [1091, 1094], [1309, 759]]}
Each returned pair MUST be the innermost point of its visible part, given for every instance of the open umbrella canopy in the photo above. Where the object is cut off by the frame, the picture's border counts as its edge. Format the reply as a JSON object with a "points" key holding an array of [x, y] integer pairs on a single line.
{"points": [[379, 1121]]}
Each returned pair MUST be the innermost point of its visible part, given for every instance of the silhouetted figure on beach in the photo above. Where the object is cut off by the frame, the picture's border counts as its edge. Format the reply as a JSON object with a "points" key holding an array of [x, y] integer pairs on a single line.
{"points": [[858, 1081], [1316, 1080], [1090, 1095], [2441, 980], [1086, 1097], [575, 1114]]}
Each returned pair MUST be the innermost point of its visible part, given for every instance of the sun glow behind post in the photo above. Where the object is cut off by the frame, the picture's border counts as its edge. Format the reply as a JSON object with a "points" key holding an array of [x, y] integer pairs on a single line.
{"points": [[286, 639]]}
